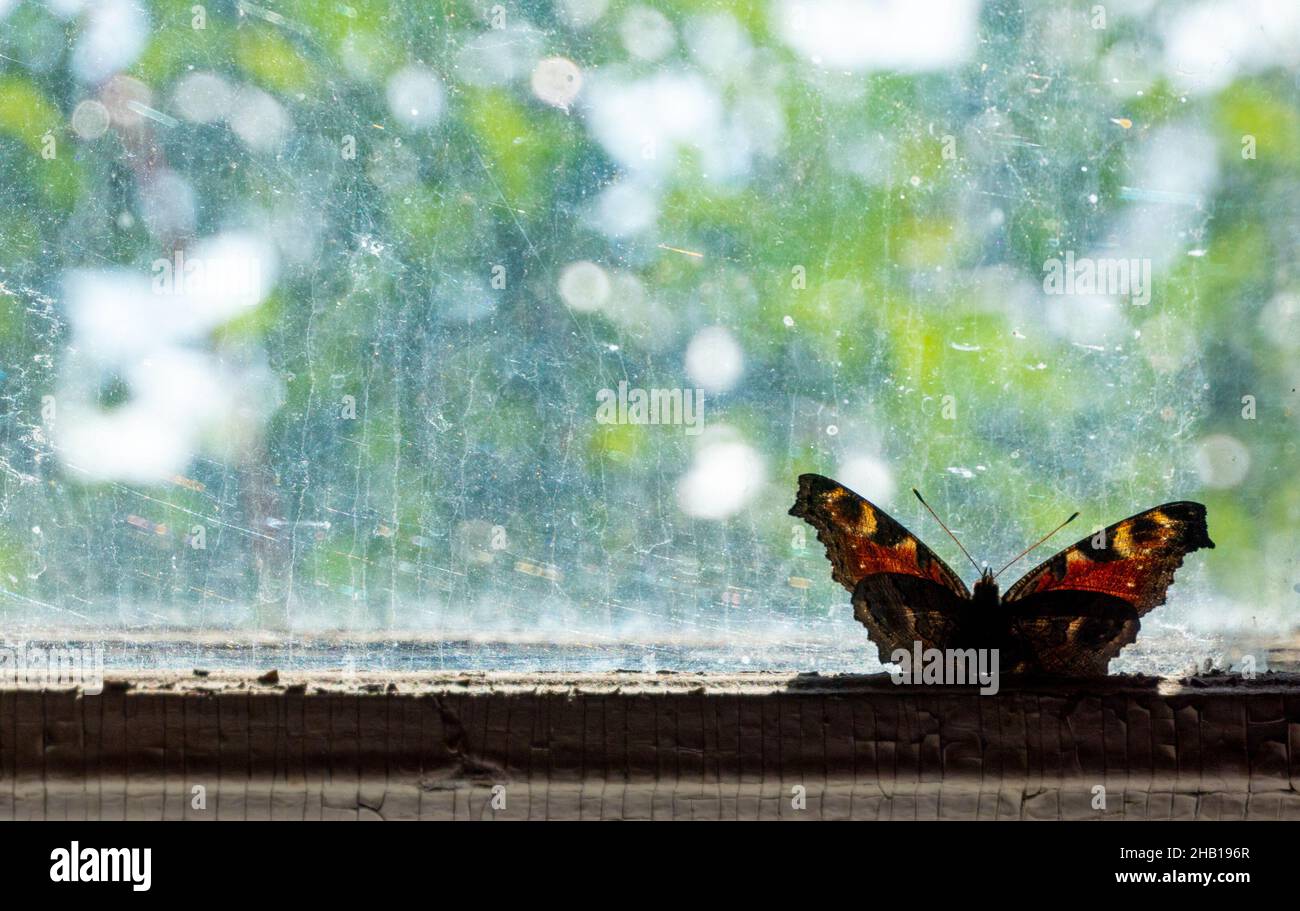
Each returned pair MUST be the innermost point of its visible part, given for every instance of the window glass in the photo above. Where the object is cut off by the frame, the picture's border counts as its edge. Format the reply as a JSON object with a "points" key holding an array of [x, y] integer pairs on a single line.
{"points": [[496, 334]]}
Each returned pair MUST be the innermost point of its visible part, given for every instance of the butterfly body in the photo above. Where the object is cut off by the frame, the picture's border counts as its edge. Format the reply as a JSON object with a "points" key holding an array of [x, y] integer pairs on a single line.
{"points": [[1068, 616], [985, 592]]}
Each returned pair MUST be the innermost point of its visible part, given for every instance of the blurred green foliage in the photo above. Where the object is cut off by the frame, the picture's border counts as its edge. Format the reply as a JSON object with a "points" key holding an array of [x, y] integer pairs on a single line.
{"points": [[474, 405]]}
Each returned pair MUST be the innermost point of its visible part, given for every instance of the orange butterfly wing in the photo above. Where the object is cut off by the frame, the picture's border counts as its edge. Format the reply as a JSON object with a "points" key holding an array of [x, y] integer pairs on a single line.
{"points": [[902, 592], [1135, 561], [862, 540]]}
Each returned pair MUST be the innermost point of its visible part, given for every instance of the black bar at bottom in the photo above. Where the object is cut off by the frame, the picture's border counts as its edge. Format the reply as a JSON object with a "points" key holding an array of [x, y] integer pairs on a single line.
{"points": [[588, 863]]}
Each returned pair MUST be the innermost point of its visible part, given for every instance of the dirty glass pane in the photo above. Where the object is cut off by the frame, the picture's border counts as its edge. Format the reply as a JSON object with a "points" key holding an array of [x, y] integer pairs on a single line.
{"points": [[488, 335]]}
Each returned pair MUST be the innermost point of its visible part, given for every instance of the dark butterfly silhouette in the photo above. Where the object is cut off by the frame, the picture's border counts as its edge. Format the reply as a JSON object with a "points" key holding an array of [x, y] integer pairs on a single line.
{"points": [[1067, 616]]}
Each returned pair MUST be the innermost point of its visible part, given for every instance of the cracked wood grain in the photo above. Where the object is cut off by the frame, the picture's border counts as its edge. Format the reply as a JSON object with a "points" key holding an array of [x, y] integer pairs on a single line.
{"points": [[651, 747]]}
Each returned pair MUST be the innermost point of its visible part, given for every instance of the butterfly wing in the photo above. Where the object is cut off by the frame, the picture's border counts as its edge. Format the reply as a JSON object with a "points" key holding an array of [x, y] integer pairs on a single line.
{"points": [[902, 592], [899, 610], [1135, 561], [1067, 633], [1074, 612]]}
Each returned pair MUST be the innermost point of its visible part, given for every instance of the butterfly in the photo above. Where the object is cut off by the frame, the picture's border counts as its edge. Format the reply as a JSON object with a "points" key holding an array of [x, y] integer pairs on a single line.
{"points": [[1068, 616]]}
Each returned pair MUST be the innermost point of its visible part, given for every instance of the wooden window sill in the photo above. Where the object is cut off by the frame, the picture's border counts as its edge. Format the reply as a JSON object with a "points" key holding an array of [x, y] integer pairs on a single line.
{"points": [[642, 746]]}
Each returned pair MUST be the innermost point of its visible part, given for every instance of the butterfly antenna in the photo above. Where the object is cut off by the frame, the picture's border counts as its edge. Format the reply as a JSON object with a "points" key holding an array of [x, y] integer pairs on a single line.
{"points": [[945, 528], [1044, 539]]}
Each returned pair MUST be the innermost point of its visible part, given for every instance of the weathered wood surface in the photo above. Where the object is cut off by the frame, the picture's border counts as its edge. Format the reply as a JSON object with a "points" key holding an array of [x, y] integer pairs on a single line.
{"points": [[659, 746]]}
